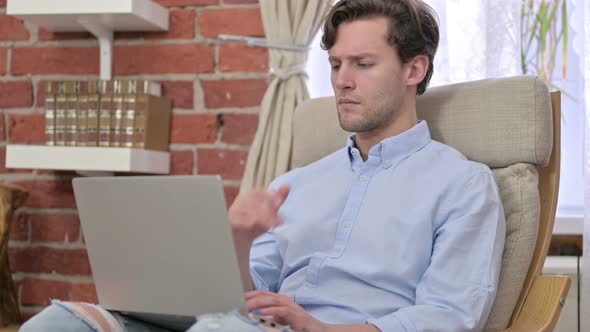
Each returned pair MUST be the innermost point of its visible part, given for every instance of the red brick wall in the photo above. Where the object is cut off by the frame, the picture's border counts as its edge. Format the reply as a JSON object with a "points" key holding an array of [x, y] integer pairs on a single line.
{"points": [[215, 87]]}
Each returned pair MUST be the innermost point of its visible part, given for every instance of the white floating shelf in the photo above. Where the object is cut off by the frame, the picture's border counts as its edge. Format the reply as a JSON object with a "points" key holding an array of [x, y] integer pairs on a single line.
{"points": [[102, 159], [65, 15], [99, 17]]}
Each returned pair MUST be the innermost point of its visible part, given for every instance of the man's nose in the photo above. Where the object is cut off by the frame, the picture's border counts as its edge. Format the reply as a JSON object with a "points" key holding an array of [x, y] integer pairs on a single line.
{"points": [[343, 79]]}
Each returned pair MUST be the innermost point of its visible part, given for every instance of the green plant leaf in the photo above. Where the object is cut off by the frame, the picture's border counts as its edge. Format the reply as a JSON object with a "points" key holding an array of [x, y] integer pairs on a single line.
{"points": [[551, 19], [532, 30], [542, 39], [541, 35]]}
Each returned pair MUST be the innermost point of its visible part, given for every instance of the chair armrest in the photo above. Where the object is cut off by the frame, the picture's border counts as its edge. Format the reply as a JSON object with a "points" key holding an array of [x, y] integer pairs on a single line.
{"points": [[542, 305]]}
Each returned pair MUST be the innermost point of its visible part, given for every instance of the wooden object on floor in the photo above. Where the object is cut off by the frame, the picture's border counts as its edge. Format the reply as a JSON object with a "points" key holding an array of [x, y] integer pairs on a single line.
{"points": [[11, 197], [12, 328]]}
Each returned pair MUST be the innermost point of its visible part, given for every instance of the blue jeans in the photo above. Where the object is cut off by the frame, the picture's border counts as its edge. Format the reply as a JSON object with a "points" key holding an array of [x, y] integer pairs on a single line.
{"points": [[57, 318]]}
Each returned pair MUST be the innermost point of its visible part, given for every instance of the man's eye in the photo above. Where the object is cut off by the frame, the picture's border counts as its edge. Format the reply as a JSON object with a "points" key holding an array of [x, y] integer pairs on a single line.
{"points": [[335, 67], [364, 65]]}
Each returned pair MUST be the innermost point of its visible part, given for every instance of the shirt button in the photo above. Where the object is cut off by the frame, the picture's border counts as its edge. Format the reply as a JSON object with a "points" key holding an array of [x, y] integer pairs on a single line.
{"points": [[353, 152], [387, 163], [345, 225], [489, 283], [363, 178]]}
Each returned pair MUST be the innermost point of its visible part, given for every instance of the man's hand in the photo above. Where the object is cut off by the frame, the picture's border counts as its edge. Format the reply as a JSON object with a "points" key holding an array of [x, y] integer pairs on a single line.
{"points": [[283, 311], [250, 216], [254, 213]]}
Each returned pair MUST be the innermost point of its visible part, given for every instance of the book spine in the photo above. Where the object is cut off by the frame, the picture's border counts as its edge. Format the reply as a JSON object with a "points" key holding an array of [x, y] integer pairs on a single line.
{"points": [[50, 114], [104, 120], [60, 116], [116, 116], [116, 128], [71, 120], [93, 106], [139, 124], [104, 113], [82, 115], [93, 120], [128, 121], [72, 88], [142, 87], [50, 125]]}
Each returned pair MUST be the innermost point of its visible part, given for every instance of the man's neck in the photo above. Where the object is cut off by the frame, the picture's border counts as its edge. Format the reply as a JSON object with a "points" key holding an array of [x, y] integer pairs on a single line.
{"points": [[366, 140]]}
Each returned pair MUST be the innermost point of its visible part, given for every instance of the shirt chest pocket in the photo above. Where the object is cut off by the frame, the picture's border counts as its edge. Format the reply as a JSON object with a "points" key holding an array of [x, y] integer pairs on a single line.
{"points": [[307, 234], [389, 243]]}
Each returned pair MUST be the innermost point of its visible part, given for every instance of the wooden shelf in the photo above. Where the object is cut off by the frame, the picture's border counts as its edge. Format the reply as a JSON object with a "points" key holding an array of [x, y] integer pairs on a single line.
{"points": [[100, 159]]}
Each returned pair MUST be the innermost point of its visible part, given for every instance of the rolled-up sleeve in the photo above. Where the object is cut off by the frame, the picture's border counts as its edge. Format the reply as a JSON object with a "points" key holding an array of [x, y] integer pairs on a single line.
{"points": [[265, 263], [458, 289]]}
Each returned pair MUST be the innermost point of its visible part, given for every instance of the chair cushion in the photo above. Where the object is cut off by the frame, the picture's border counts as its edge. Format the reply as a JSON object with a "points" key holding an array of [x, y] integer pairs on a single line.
{"points": [[520, 197], [498, 122]]}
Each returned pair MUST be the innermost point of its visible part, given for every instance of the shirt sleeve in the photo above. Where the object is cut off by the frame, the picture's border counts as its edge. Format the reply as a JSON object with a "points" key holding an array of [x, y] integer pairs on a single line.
{"points": [[458, 288], [266, 261]]}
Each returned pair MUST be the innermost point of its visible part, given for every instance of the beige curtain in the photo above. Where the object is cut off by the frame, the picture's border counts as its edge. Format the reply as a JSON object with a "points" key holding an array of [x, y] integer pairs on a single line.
{"points": [[286, 22]]}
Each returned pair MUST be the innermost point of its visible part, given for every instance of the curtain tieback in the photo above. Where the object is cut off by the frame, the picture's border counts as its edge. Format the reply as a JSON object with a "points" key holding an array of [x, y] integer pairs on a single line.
{"points": [[284, 74]]}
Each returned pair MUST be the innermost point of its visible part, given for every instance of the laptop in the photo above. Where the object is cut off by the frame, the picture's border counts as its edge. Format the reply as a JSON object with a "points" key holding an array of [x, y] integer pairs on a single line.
{"points": [[160, 245]]}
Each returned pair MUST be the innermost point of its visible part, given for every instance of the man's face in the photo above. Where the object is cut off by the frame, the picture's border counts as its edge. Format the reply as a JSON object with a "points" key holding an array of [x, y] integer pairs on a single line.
{"points": [[367, 76]]}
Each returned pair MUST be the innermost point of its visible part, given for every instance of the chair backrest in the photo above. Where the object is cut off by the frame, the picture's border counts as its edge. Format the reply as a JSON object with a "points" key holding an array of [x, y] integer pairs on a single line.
{"points": [[508, 124]]}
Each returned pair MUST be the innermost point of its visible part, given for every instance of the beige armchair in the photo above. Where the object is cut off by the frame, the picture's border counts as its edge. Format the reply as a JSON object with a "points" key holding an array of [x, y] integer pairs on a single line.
{"points": [[513, 126]]}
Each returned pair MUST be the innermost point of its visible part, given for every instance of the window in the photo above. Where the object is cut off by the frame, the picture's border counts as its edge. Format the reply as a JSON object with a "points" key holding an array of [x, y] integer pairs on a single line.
{"points": [[469, 50]]}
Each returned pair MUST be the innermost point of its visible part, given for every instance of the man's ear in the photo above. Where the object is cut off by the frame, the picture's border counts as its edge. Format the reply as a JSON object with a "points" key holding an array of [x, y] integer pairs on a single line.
{"points": [[418, 67]]}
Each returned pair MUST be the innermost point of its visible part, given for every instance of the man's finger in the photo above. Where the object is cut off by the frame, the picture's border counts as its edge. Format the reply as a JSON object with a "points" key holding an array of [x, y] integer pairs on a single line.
{"points": [[255, 293], [276, 221], [279, 196], [279, 314], [264, 301], [284, 191]]}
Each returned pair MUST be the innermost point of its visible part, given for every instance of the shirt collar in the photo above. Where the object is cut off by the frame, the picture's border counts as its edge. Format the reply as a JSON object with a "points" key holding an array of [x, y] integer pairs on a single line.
{"points": [[394, 149]]}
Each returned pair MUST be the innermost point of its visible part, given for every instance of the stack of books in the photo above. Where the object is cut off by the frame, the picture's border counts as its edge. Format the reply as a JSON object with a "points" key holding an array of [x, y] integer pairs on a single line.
{"points": [[113, 113]]}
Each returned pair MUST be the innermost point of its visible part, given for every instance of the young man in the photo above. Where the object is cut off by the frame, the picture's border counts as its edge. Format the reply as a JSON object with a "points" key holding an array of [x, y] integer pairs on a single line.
{"points": [[394, 232]]}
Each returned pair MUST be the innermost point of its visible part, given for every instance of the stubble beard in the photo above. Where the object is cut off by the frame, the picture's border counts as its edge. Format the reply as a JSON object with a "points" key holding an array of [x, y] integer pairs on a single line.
{"points": [[371, 119]]}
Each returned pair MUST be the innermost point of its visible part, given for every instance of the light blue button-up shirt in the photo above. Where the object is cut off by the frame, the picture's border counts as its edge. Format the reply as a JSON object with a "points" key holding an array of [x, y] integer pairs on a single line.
{"points": [[409, 240]]}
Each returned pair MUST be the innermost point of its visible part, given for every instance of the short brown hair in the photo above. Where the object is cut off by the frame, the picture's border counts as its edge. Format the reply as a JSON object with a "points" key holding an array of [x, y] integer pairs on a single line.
{"points": [[413, 28]]}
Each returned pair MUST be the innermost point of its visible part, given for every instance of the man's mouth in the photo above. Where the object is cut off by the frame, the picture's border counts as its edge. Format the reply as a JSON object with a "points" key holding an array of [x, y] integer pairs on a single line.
{"points": [[347, 101]]}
